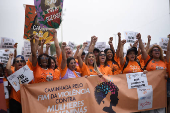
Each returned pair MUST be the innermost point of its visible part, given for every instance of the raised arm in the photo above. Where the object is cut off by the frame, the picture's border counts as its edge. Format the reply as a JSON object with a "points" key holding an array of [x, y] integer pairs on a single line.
{"points": [[121, 49], [94, 40], [141, 46], [41, 48], [8, 66], [56, 43], [34, 48], [168, 50], [15, 50], [119, 44], [77, 51], [64, 58], [148, 44], [80, 61], [111, 44], [47, 48]]}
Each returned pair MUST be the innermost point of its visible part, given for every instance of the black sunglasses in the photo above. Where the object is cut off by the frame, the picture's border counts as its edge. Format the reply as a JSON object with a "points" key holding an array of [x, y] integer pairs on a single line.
{"points": [[102, 54], [17, 61], [156, 49]]}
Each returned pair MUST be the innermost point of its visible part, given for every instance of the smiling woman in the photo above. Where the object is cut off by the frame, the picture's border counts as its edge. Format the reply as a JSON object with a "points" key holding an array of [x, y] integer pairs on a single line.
{"points": [[41, 66]]}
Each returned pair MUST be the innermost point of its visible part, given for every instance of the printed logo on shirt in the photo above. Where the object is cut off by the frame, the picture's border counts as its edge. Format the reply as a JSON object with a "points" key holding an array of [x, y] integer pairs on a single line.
{"points": [[49, 78]]}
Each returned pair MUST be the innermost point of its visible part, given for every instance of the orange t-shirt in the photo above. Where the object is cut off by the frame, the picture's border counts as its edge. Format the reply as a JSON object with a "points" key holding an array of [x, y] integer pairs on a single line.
{"points": [[12, 68], [116, 68], [105, 70], [29, 64], [142, 63], [7, 100], [44, 75], [88, 70], [155, 65], [132, 67], [15, 95]]}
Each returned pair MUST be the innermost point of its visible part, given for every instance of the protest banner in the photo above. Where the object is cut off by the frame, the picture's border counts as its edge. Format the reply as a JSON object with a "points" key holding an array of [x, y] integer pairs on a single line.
{"points": [[7, 43], [93, 95], [49, 12], [130, 36], [3, 107], [25, 75], [163, 43], [32, 25]]}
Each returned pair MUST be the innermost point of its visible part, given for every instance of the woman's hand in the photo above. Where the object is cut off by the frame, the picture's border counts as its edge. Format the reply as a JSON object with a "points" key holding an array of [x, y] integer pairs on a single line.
{"points": [[63, 45]]}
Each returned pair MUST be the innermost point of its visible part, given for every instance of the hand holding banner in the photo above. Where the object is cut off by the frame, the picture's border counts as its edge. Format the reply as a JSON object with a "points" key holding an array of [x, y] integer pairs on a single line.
{"points": [[25, 75]]}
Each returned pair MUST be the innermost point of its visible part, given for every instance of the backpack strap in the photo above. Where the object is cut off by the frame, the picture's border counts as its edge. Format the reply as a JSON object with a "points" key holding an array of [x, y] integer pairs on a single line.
{"points": [[139, 64], [144, 68], [126, 63]]}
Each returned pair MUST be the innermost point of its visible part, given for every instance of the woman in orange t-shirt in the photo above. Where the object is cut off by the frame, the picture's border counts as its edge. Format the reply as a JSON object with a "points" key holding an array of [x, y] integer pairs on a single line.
{"points": [[54, 66], [41, 66], [112, 61], [154, 60], [102, 64], [130, 64], [68, 65], [15, 98], [89, 67]]}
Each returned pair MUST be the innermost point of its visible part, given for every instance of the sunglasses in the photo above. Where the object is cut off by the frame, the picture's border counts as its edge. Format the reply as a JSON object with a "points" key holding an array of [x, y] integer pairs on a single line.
{"points": [[102, 54], [46, 58], [156, 50], [17, 61]]}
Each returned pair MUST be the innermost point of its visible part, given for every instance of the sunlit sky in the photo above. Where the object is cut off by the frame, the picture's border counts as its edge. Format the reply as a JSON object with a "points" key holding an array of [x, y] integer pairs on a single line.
{"points": [[85, 18]]}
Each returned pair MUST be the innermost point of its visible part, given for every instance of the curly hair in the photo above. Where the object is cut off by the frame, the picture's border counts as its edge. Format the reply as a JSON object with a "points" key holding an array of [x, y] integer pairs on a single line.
{"points": [[161, 52], [39, 60]]}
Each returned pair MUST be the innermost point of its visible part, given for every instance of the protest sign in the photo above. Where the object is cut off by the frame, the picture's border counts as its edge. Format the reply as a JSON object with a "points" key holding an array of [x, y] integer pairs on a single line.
{"points": [[27, 53], [27, 44], [25, 75], [91, 95], [3, 107], [130, 36], [44, 50], [100, 45], [49, 12], [32, 26], [136, 80], [87, 47], [71, 45], [163, 43], [4, 56], [7, 43]]}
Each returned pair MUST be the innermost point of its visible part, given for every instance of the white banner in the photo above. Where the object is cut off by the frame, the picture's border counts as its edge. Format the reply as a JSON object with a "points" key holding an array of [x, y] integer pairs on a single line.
{"points": [[145, 97], [136, 80], [130, 36], [163, 43], [25, 75], [7, 43]]}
